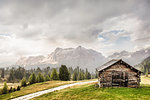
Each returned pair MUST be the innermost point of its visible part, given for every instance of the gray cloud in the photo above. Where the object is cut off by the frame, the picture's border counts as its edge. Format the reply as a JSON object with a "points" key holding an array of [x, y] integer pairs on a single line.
{"points": [[75, 17], [71, 22]]}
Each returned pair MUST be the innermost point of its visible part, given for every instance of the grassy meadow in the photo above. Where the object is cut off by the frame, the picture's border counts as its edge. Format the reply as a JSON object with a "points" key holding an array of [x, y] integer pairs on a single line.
{"points": [[34, 88], [92, 92]]}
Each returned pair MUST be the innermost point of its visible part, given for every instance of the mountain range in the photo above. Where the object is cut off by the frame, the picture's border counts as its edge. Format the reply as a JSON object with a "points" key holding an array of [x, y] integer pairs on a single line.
{"points": [[82, 57], [71, 57]]}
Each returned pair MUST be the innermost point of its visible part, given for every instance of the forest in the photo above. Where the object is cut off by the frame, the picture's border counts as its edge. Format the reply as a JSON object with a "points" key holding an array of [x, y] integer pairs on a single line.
{"points": [[31, 76]]}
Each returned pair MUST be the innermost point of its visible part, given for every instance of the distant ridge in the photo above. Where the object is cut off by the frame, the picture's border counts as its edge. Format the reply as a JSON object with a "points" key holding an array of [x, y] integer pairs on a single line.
{"points": [[82, 57], [72, 57]]}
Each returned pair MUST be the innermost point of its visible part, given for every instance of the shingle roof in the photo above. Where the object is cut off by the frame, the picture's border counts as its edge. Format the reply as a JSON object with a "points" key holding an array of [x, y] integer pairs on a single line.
{"points": [[111, 62], [107, 64]]}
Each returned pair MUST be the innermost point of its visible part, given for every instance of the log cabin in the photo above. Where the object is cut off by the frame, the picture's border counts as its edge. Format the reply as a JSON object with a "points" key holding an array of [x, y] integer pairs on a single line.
{"points": [[117, 73]]}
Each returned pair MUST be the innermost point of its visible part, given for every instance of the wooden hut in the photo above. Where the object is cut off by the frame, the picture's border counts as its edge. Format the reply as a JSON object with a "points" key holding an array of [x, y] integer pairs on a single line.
{"points": [[117, 73]]}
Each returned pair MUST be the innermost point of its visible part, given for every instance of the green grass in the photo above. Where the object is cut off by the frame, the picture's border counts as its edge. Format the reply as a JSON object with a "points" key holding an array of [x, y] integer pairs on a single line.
{"points": [[36, 87], [88, 92], [33, 88]]}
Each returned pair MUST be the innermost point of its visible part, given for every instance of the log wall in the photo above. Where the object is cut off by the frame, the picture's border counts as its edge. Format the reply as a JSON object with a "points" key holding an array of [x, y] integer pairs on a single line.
{"points": [[127, 76]]}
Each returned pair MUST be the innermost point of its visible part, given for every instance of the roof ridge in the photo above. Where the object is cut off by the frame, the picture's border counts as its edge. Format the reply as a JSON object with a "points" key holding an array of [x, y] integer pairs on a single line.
{"points": [[109, 63]]}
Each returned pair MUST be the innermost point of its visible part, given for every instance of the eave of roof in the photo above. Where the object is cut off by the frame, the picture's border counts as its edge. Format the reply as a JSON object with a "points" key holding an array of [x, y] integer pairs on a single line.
{"points": [[110, 63]]}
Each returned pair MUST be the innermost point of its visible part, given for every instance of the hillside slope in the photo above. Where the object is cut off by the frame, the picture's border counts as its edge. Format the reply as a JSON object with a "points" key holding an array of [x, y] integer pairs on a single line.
{"points": [[145, 65], [132, 58]]}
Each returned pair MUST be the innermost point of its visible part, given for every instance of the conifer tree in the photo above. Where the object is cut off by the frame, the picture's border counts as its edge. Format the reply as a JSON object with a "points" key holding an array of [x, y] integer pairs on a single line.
{"points": [[11, 76], [63, 73], [40, 78], [23, 82], [37, 79], [54, 75], [5, 88], [47, 78], [96, 76], [80, 76], [87, 74], [32, 79], [75, 76], [2, 74]]}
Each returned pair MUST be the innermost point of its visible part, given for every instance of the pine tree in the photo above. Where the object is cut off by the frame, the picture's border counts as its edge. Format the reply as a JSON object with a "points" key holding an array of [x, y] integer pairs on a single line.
{"points": [[5, 88], [23, 82], [96, 76], [40, 78], [19, 73], [47, 78], [32, 79], [80, 76], [37, 79], [54, 75], [2, 74], [38, 70], [75, 76], [63, 73], [87, 74], [70, 70], [11, 76]]}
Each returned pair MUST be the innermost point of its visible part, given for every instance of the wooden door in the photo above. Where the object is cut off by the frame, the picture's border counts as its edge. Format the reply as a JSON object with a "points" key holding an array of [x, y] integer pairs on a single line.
{"points": [[119, 78]]}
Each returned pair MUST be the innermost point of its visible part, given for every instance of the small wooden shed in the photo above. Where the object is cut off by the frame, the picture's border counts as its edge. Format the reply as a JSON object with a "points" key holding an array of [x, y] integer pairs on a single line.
{"points": [[117, 73]]}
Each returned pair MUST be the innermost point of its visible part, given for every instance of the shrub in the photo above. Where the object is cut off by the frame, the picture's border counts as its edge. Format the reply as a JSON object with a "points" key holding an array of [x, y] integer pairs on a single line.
{"points": [[18, 88], [14, 89], [11, 89]]}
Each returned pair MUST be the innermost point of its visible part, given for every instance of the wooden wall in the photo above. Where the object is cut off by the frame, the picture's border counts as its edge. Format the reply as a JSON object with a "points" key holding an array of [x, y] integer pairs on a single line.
{"points": [[106, 80]]}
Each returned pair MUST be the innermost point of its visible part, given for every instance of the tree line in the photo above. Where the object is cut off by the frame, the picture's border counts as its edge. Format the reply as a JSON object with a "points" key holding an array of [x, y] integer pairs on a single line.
{"points": [[13, 75], [28, 77]]}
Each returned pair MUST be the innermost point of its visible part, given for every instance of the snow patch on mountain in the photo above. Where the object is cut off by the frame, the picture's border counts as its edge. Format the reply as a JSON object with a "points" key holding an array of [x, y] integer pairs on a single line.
{"points": [[72, 57], [132, 57], [82, 57]]}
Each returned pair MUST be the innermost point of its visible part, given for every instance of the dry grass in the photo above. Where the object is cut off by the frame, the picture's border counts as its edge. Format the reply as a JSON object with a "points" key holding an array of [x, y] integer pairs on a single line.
{"points": [[34, 88], [10, 85], [145, 80]]}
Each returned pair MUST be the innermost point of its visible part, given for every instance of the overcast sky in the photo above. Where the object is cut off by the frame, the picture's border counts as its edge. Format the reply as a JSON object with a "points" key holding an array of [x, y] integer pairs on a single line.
{"points": [[37, 27]]}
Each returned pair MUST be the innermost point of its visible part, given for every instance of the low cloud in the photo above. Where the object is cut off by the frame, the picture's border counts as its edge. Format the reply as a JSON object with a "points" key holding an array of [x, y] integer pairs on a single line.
{"points": [[47, 24]]}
